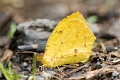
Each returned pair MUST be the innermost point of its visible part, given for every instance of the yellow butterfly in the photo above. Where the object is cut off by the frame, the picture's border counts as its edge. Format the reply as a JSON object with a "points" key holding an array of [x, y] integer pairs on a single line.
{"points": [[70, 42]]}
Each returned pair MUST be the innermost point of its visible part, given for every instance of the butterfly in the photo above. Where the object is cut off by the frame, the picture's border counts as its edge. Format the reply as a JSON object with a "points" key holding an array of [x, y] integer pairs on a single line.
{"points": [[70, 42]]}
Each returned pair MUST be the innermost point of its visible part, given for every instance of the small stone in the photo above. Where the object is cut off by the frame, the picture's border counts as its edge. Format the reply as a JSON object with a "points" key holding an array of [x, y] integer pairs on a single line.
{"points": [[98, 59], [14, 56], [103, 59], [109, 49], [115, 73], [24, 64], [29, 68], [115, 48], [16, 59], [29, 61], [103, 65], [98, 63], [39, 77], [112, 77], [51, 72], [46, 75], [97, 53]]}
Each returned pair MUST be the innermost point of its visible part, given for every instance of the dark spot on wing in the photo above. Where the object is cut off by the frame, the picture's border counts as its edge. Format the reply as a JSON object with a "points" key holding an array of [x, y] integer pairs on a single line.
{"points": [[76, 35], [60, 32], [75, 51], [56, 32], [62, 56], [61, 42], [84, 45], [74, 54], [52, 59], [47, 46]]}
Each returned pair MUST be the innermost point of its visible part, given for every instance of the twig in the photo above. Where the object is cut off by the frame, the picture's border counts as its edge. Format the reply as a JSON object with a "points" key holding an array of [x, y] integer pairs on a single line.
{"points": [[91, 74], [75, 70]]}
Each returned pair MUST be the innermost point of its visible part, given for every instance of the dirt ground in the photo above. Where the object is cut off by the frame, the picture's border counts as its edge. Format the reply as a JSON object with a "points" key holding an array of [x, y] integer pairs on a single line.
{"points": [[39, 17]]}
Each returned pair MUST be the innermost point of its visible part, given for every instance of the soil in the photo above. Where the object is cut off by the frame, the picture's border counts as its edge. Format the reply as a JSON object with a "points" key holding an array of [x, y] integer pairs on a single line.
{"points": [[40, 17]]}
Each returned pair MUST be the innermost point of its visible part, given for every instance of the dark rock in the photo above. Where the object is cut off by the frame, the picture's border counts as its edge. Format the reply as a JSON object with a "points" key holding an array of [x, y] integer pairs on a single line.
{"points": [[33, 32], [109, 49]]}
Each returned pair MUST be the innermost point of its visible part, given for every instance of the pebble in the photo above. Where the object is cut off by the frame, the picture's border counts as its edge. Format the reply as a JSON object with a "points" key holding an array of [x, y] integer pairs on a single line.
{"points": [[46, 75], [115, 73], [29, 68], [24, 64], [103, 65], [115, 48], [14, 57], [17, 59], [98, 63], [97, 53], [109, 49], [112, 77], [29, 61]]}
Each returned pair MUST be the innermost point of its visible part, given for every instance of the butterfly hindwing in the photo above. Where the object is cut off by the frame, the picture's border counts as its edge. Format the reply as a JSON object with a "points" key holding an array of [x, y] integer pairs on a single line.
{"points": [[70, 42]]}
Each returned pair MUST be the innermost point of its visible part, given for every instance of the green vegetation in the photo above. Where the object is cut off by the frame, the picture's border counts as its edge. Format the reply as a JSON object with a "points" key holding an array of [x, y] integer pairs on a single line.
{"points": [[92, 19], [9, 74], [12, 30]]}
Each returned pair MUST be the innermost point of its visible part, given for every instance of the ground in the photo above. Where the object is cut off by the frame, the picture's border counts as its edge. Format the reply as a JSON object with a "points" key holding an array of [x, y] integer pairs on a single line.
{"points": [[103, 17]]}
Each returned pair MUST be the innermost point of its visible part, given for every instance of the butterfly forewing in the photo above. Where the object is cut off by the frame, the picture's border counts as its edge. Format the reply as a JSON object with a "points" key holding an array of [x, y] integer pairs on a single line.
{"points": [[70, 42]]}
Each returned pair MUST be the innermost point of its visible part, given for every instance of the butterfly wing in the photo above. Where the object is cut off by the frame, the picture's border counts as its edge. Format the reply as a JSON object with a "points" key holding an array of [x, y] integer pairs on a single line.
{"points": [[70, 42]]}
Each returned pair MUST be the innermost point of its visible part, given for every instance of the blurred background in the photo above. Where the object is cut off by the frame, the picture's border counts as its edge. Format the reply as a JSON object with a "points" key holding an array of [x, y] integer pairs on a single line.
{"points": [[103, 12], [103, 16]]}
